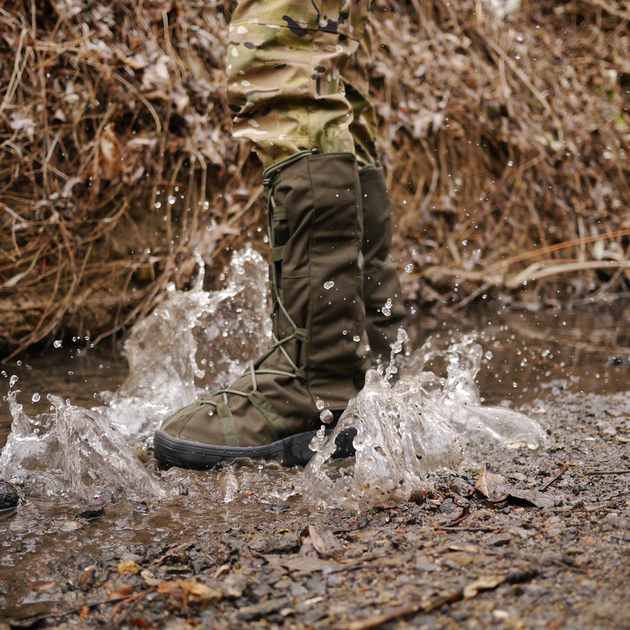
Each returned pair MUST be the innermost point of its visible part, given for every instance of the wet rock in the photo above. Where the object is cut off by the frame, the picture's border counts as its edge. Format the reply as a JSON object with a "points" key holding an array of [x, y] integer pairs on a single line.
{"points": [[289, 543], [9, 497], [234, 585], [91, 514], [250, 613], [460, 487]]}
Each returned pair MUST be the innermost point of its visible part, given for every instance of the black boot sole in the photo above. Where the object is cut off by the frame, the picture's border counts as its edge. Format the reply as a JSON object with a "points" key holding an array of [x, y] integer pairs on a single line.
{"points": [[291, 451]]}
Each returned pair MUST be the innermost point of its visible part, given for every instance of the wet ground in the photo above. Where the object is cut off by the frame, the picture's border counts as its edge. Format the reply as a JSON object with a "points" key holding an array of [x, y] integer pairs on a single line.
{"points": [[235, 548]]}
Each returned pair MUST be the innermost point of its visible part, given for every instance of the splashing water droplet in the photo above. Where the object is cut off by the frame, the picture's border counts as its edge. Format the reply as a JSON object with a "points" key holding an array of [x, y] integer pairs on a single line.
{"points": [[387, 309], [326, 416], [408, 268], [158, 205], [13, 380], [36, 397], [356, 339], [57, 343], [320, 404], [171, 200], [415, 426], [329, 285]]}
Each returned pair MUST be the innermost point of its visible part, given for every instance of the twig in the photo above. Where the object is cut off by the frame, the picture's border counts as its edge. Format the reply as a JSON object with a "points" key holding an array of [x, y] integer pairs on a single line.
{"points": [[519, 577], [465, 513], [52, 615], [466, 529], [554, 479]]}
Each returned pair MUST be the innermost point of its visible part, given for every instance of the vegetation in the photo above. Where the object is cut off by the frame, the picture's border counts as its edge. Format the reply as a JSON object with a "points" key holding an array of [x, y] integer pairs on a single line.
{"points": [[506, 136]]}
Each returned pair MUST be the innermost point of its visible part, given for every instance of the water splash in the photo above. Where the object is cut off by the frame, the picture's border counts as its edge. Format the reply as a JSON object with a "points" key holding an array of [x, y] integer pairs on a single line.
{"points": [[194, 340], [193, 343], [410, 428], [72, 453]]}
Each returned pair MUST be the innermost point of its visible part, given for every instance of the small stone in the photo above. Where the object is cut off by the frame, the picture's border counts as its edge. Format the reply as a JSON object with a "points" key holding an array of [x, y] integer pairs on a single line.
{"points": [[9, 497], [128, 566], [234, 585], [499, 541]]}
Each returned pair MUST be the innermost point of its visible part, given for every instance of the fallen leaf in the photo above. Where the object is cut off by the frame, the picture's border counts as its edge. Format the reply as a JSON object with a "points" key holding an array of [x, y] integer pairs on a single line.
{"points": [[222, 570], [86, 581], [482, 584], [205, 592], [317, 540], [84, 613], [492, 486], [128, 566], [495, 488]]}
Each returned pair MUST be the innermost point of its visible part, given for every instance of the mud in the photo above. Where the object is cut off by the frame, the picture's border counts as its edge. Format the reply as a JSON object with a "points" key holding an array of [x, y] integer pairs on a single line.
{"points": [[238, 548], [215, 571]]}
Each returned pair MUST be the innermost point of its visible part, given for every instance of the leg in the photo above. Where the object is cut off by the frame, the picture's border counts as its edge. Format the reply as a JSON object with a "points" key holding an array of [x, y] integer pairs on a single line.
{"points": [[287, 96], [381, 279], [284, 66]]}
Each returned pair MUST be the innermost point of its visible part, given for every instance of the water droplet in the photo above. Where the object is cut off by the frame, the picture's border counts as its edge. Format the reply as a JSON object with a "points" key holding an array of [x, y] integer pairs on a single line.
{"points": [[488, 356], [326, 416], [57, 343], [206, 205], [158, 205], [171, 200], [344, 332], [408, 268], [329, 285], [387, 309], [36, 397], [356, 339], [13, 380], [4, 373], [320, 404], [510, 163]]}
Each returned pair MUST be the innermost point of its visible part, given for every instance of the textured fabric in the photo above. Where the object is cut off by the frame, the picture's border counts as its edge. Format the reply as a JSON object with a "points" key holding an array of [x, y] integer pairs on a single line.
{"points": [[383, 318], [320, 278], [298, 77]]}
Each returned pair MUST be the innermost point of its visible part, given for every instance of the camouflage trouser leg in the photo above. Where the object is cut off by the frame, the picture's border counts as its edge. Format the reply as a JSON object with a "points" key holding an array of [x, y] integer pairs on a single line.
{"points": [[297, 77]]}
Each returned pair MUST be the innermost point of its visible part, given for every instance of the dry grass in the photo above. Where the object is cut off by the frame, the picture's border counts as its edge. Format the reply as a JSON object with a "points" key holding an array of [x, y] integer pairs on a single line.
{"points": [[506, 138]]}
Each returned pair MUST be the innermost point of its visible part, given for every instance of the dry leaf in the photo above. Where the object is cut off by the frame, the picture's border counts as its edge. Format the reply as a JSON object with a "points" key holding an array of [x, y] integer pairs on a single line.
{"points": [[492, 486], [482, 584], [128, 566]]}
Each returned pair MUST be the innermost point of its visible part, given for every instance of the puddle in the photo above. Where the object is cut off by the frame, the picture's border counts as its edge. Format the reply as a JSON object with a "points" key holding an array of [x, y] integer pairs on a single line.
{"points": [[78, 450]]}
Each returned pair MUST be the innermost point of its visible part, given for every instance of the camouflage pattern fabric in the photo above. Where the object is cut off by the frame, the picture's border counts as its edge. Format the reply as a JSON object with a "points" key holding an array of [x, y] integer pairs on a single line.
{"points": [[298, 77]]}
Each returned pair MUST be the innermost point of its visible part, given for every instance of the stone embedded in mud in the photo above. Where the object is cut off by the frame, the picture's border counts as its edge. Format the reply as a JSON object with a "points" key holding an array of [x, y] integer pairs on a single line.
{"points": [[9, 497], [289, 543]]}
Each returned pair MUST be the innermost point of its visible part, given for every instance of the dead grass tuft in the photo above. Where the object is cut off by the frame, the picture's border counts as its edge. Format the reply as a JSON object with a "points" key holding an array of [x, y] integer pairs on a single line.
{"points": [[506, 138]]}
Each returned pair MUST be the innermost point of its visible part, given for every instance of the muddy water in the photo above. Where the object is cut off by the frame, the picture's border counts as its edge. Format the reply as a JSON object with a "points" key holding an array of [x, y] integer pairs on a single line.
{"points": [[528, 358]]}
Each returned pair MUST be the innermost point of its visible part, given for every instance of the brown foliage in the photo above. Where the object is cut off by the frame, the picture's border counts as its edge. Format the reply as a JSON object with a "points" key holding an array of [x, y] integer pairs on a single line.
{"points": [[506, 140]]}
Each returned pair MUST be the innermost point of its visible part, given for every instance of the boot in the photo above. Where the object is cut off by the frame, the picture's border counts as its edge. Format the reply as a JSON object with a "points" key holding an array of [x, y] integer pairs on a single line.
{"points": [[313, 367], [384, 309]]}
